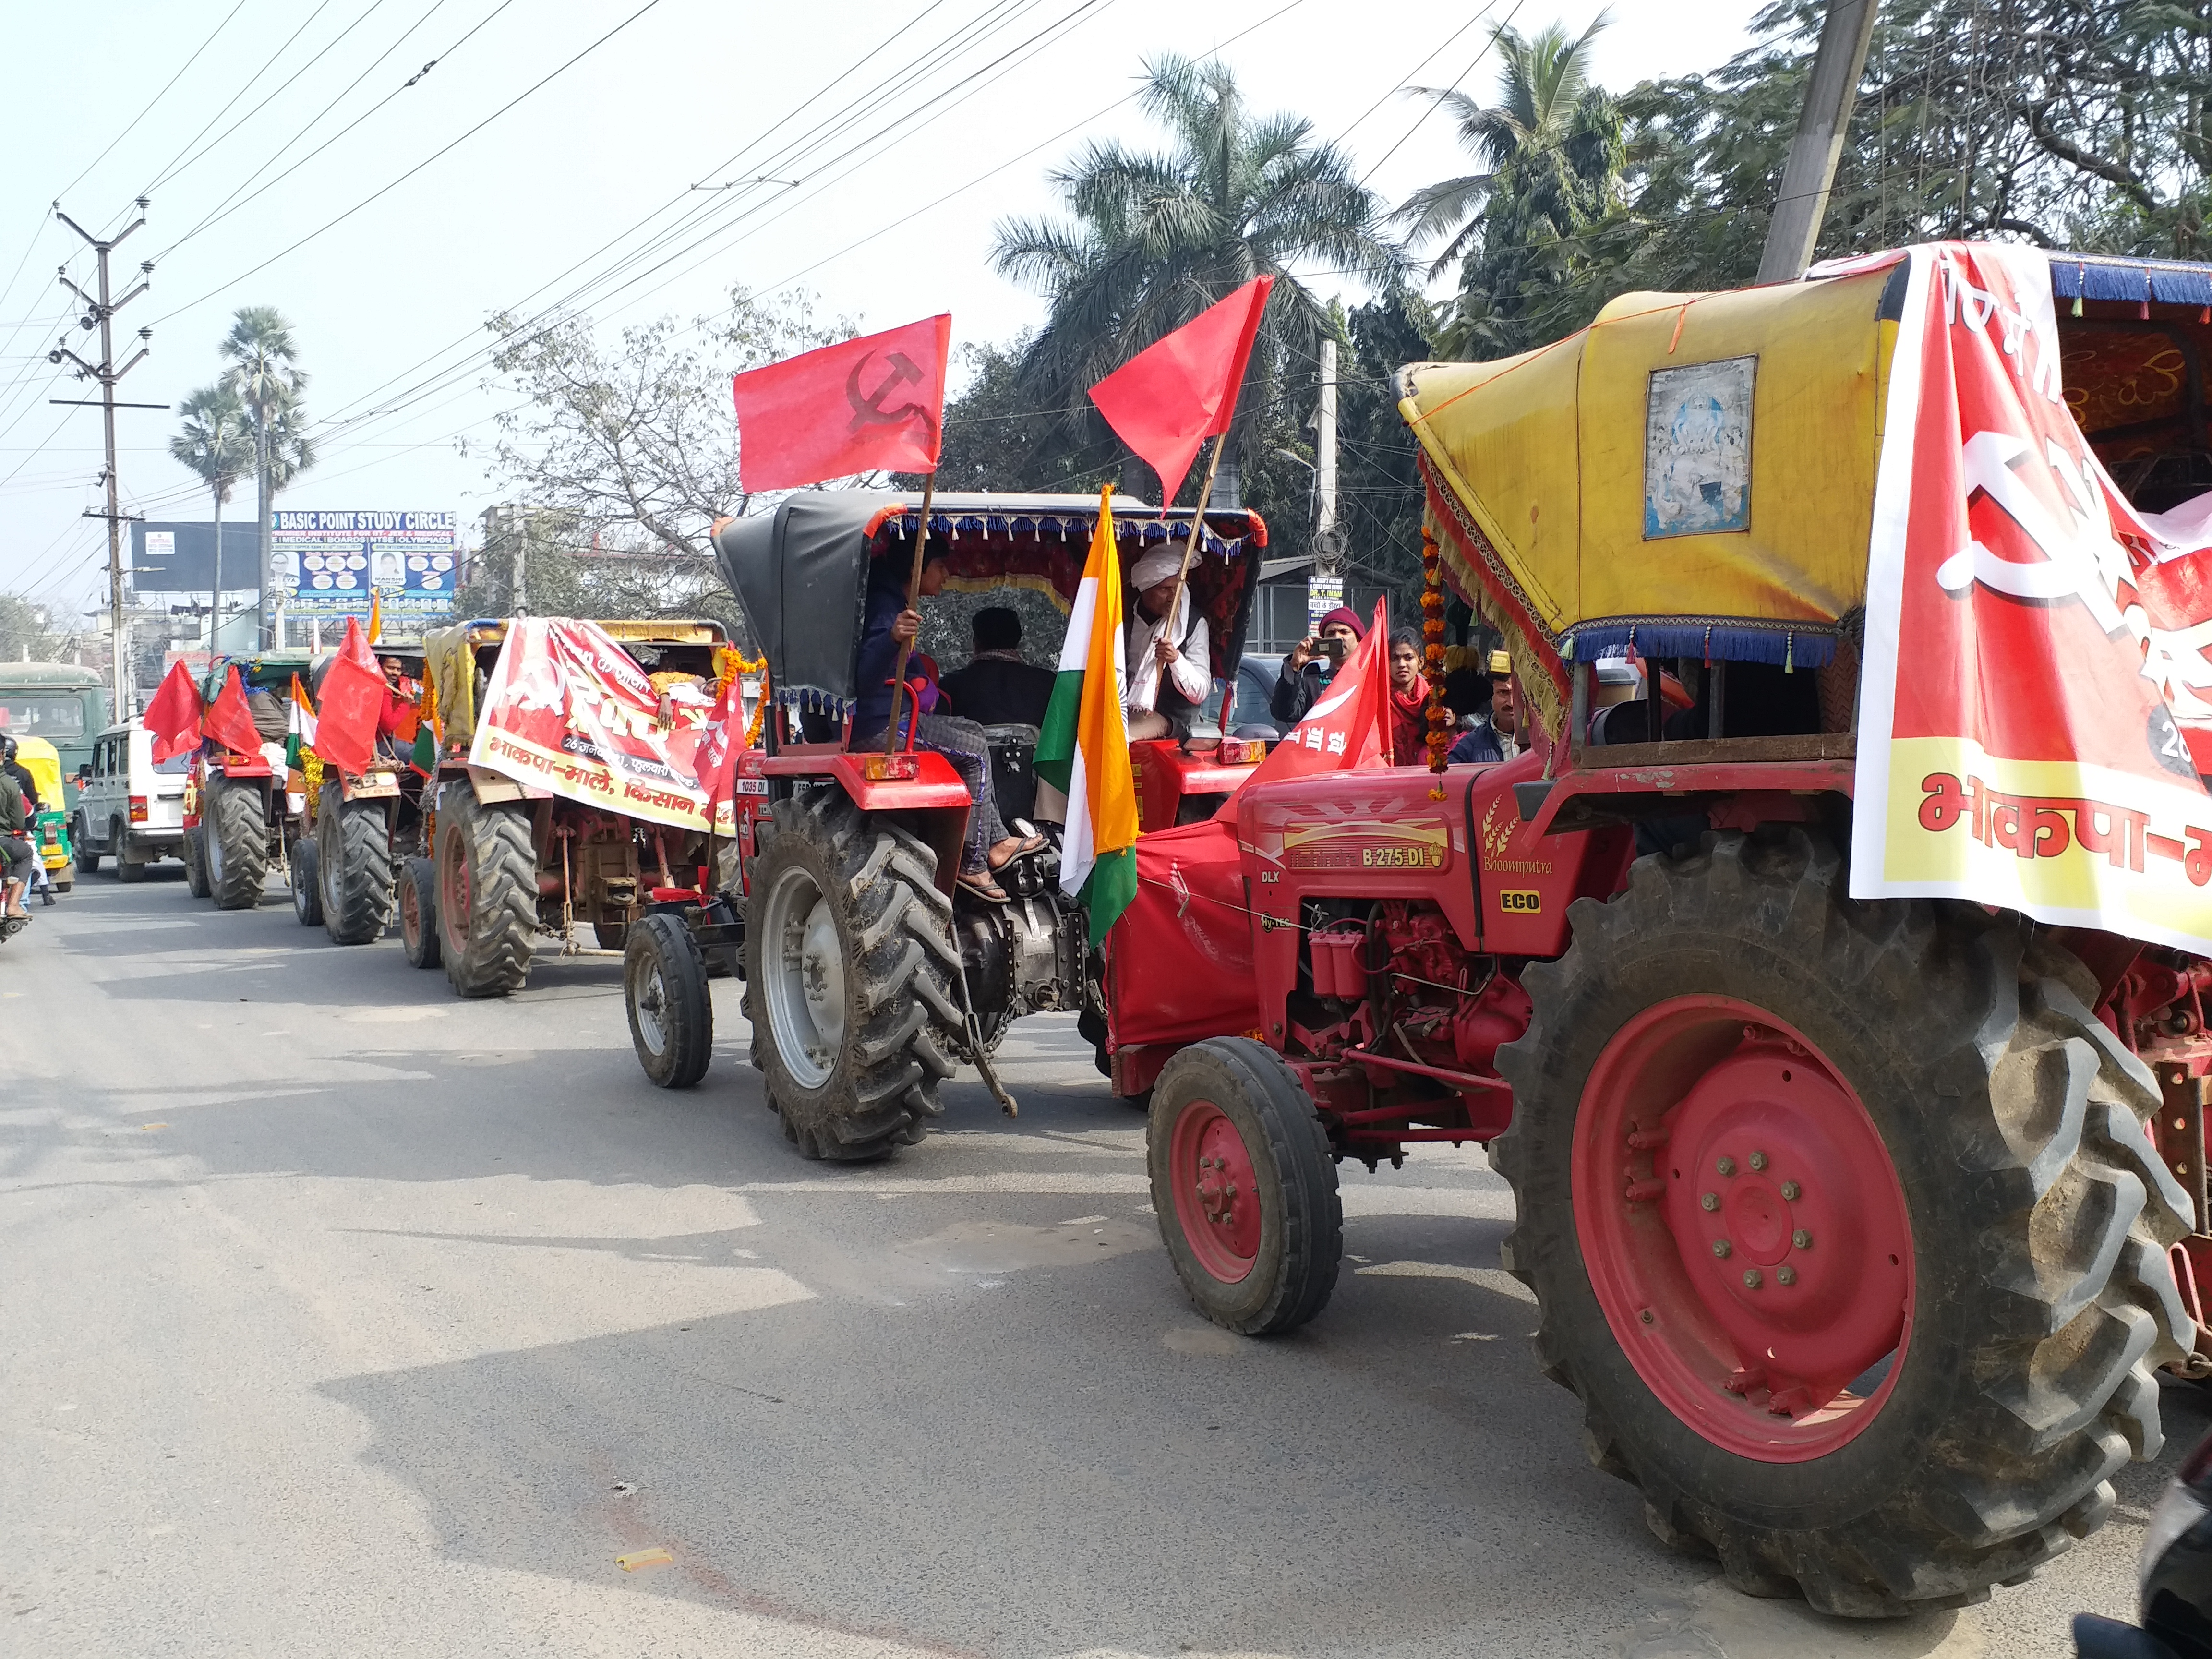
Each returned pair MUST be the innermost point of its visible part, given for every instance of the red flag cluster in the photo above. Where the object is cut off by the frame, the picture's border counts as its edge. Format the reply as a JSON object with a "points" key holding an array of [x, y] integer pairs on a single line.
{"points": [[174, 715], [1348, 725], [353, 699]]}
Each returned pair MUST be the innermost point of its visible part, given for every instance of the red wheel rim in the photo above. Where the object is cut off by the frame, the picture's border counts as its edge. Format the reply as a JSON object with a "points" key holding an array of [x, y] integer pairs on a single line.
{"points": [[453, 897], [1217, 1196], [1744, 1229]]}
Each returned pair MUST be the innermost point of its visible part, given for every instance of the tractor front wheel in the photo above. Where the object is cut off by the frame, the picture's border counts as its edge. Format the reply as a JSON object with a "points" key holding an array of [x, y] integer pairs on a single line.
{"points": [[1245, 1186], [671, 1014], [306, 883], [848, 979], [353, 847], [418, 913], [1843, 1224], [487, 904], [236, 824], [194, 852]]}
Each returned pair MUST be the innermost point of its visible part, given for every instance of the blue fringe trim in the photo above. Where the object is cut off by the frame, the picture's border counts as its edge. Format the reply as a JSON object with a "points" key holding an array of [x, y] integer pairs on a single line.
{"points": [[1780, 644], [1143, 531], [808, 700], [2161, 282]]}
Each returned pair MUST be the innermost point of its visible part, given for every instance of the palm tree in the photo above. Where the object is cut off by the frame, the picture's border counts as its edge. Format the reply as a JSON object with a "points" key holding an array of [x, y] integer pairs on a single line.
{"points": [[216, 444], [1157, 237], [265, 375], [1551, 155]]}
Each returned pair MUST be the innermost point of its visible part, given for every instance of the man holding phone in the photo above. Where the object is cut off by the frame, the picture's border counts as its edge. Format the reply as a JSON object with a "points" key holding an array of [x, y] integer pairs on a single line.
{"points": [[1312, 664]]}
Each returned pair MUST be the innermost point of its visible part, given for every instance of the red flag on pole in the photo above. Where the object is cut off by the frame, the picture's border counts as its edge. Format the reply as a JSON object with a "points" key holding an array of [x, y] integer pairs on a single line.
{"points": [[715, 761], [876, 401], [1348, 727], [173, 717], [229, 721], [1177, 393], [353, 697]]}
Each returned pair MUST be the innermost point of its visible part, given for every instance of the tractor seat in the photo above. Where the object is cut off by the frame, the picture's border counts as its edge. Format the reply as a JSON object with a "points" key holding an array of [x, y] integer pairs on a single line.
{"points": [[1013, 753]]}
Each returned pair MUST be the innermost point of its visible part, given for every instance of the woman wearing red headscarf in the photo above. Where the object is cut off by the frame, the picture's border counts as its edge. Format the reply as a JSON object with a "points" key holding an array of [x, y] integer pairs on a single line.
{"points": [[1409, 701]]}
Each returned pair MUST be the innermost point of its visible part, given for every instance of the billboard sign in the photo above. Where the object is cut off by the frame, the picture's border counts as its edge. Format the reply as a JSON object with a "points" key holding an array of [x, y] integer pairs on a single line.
{"points": [[328, 563], [179, 558]]}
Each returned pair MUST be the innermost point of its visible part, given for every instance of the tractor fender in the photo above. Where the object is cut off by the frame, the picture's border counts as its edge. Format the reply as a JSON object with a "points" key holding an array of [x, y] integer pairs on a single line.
{"points": [[490, 786]]}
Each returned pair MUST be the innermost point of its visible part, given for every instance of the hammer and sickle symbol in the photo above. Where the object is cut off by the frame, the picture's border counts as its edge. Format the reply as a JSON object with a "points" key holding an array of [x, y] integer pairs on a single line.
{"points": [[869, 410]]}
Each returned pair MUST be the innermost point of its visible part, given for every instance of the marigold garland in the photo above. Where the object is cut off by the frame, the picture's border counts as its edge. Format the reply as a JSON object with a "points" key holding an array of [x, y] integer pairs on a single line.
{"points": [[1433, 634]]}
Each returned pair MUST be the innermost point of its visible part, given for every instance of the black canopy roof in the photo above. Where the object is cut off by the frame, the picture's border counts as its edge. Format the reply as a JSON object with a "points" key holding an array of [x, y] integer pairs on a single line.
{"points": [[801, 571]]}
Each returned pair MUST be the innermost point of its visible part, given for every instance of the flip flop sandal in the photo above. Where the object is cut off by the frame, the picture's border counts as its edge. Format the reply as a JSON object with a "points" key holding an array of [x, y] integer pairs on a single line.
{"points": [[1034, 844], [984, 888]]}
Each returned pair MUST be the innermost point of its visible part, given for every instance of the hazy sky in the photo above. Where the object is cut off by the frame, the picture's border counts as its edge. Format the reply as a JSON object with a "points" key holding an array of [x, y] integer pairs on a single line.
{"points": [[976, 97]]}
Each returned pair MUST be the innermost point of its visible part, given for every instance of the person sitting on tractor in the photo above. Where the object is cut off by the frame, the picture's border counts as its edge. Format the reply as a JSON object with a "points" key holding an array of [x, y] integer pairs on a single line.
{"points": [[887, 622], [997, 687], [1169, 660], [1491, 697], [1312, 664], [16, 859]]}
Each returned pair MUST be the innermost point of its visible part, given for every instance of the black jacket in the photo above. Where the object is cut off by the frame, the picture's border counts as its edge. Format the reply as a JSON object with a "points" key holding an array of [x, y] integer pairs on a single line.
{"points": [[21, 774], [995, 692], [1296, 693]]}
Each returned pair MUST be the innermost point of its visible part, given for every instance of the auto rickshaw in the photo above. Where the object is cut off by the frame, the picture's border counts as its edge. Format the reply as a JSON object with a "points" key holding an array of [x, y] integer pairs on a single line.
{"points": [[49, 826]]}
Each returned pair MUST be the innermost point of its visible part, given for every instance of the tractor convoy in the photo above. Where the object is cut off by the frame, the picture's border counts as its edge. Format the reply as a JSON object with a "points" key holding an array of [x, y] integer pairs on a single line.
{"points": [[1862, 1214]]}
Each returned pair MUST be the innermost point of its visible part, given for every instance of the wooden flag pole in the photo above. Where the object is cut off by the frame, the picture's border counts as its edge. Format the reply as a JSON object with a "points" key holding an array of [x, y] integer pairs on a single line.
{"points": [[1197, 529], [913, 587]]}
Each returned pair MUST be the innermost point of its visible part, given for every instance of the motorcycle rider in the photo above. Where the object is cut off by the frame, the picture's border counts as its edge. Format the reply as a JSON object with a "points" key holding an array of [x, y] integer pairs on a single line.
{"points": [[15, 856]]}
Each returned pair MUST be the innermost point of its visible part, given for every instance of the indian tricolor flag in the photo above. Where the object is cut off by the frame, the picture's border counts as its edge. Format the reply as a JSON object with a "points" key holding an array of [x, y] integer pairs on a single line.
{"points": [[1084, 747], [300, 729]]}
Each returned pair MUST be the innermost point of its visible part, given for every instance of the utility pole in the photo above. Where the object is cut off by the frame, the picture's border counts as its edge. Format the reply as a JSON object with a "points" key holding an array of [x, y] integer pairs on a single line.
{"points": [[1325, 538], [102, 310], [1810, 172]]}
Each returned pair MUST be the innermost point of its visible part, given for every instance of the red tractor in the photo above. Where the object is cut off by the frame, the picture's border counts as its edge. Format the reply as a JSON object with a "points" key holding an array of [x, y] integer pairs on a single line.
{"points": [[1862, 1228], [869, 973]]}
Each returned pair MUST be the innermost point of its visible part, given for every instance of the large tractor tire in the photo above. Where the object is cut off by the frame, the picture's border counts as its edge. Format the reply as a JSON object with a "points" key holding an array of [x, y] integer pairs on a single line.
{"points": [[236, 823], [353, 849], [306, 883], [1245, 1186], [194, 853], [487, 901], [848, 979], [1842, 1223], [671, 1013], [418, 914]]}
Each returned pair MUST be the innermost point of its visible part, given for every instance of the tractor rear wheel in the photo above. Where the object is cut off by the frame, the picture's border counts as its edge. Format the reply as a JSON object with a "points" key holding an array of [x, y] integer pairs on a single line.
{"points": [[194, 852], [236, 823], [487, 902], [353, 847], [671, 1014], [418, 913], [1245, 1186], [848, 979], [1843, 1223], [306, 883]]}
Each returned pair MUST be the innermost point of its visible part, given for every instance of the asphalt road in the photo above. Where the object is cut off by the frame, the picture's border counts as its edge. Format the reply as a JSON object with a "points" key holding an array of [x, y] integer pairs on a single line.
{"points": [[340, 1316]]}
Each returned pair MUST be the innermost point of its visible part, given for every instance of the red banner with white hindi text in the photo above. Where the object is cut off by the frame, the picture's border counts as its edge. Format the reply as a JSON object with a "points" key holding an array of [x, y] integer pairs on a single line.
{"points": [[569, 711], [2034, 710]]}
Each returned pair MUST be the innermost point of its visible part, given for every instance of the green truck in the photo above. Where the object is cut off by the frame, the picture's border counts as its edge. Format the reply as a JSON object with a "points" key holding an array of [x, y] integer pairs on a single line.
{"points": [[62, 704]]}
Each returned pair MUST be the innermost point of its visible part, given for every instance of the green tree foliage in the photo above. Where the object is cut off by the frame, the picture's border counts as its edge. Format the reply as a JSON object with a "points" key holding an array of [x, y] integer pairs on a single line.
{"points": [[216, 443], [26, 633], [1378, 486], [265, 377]]}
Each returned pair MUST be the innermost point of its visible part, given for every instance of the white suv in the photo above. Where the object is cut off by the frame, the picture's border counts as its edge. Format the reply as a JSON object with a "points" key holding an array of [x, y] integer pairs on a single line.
{"points": [[130, 808]]}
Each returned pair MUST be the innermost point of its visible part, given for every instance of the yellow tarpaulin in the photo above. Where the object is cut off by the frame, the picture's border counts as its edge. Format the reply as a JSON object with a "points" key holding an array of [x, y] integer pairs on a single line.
{"points": [[1691, 474]]}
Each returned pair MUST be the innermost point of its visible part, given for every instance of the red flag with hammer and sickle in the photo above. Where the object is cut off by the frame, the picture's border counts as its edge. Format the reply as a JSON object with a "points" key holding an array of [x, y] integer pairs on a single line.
{"points": [[858, 406]]}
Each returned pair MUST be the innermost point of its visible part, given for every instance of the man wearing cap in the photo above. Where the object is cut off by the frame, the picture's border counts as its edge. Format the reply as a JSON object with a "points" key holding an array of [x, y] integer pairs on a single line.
{"points": [[1312, 664], [1490, 737], [1168, 666]]}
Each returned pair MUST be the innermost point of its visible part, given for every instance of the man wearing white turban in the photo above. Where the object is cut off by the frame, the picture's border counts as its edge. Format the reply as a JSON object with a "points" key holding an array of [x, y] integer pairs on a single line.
{"points": [[1169, 665]]}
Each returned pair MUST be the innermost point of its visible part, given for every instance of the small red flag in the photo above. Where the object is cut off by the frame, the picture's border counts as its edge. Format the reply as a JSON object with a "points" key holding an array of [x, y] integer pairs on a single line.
{"points": [[229, 721], [1178, 392], [173, 717], [715, 761], [353, 698], [1348, 726], [876, 401]]}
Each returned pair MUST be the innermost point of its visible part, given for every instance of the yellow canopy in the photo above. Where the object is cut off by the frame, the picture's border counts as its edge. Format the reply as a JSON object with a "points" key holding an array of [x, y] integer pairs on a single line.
{"points": [[1692, 474], [41, 759]]}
